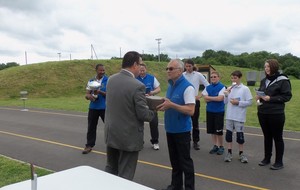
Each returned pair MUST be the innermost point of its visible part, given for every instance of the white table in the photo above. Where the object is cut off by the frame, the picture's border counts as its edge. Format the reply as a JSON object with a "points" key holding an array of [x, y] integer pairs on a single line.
{"points": [[79, 178]]}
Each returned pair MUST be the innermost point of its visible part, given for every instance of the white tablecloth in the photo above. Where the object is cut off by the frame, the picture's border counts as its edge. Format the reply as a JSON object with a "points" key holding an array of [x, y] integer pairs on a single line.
{"points": [[79, 178]]}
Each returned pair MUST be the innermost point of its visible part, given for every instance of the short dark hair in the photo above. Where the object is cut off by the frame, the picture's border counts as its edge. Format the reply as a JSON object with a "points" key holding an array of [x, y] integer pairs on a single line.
{"points": [[98, 65], [130, 58], [237, 73], [274, 66]]}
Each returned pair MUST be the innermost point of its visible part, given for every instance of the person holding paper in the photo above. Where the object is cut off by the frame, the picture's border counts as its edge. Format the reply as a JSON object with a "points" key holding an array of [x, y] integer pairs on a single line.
{"points": [[237, 98], [277, 89]]}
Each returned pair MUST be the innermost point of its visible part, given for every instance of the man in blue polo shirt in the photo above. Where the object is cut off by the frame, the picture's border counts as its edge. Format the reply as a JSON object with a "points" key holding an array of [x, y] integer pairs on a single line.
{"points": [[179, 106], [152, 88], [96, 108]]}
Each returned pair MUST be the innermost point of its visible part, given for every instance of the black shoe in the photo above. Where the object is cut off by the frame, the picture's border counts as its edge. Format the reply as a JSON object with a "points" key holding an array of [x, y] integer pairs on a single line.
{"points": [[196, 146], [87, 150], [171, 187], [264, 162], [276, 166]]}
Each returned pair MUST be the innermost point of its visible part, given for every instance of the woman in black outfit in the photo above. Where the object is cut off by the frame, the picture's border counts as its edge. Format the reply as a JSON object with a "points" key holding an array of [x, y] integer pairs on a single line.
{"points": [[277, 89]]}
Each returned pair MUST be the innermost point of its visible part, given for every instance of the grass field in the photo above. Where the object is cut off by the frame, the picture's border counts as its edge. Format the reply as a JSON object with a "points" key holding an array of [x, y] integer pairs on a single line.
{"points": [[13, 171], [61, 86]]}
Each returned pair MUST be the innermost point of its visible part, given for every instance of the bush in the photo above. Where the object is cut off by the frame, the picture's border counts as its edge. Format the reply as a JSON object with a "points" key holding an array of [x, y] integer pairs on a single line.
{"points": [[294, 71]]}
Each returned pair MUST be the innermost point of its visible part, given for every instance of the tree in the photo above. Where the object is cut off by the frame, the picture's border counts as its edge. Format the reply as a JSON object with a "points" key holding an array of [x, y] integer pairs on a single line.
{"points": [[7, 65], [209, 54], [294, 71]]}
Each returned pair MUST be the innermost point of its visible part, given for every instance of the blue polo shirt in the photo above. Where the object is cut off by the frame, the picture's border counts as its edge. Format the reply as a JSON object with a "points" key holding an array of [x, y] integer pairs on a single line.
{"points": [[99, 103], [175, 121]]}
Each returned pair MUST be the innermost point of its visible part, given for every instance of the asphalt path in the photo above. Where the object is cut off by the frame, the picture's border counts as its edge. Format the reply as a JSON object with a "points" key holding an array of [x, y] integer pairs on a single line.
{"points": [[54, 140]]}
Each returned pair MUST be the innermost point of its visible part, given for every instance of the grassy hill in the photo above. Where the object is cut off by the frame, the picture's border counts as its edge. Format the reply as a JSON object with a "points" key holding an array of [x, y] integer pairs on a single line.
{"points": [[61, 85], [56, 79]]}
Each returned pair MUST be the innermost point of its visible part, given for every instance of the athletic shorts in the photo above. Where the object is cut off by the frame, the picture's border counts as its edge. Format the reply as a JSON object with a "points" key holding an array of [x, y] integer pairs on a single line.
{"points": [[232, 125], [214, 123]]}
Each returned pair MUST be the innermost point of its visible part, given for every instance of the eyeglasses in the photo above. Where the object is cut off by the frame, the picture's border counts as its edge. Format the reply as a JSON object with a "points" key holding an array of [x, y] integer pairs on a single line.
{"points": [[170, 68], [214, 77]]}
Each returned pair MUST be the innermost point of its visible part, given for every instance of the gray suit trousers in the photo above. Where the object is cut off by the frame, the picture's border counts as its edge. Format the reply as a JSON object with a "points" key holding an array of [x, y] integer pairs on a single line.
{"points": [[121, 163]]}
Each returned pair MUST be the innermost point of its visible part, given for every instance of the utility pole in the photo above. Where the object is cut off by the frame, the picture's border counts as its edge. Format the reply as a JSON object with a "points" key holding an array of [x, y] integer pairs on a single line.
{"points": [[59, 56], [93, 52], [26, 57], [158, 47]]}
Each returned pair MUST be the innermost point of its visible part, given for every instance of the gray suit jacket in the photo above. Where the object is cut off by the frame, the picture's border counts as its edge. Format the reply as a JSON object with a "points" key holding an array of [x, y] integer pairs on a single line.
{"points": [[126, 111]]}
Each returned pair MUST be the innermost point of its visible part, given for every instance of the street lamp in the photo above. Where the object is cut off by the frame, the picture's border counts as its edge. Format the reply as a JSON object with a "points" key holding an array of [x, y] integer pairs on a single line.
{"points": [[59, 56], [158, 46]]}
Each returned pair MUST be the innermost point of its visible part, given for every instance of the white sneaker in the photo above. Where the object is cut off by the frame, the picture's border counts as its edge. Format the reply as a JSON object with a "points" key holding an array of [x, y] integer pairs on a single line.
{"points": [[243, 158], [155, 146], [228, 157]]}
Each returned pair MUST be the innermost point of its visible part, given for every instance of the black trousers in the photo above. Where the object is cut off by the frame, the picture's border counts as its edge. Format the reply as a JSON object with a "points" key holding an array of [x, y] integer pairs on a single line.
{"points": [[93, 117], [195, 120], [154, 129], [272, 128], [179, 145]]}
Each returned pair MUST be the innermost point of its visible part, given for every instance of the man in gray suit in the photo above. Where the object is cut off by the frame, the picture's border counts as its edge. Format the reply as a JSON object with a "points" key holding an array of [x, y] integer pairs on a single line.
{"points": [[126, 112]]}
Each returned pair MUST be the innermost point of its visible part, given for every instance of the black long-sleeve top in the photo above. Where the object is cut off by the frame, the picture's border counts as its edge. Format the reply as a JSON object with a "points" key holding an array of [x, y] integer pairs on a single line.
{"points": [[279, 90]]}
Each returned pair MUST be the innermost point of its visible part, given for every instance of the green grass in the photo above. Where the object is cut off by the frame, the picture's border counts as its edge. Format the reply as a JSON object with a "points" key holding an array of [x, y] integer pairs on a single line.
{"points": [[13, 171], [61, 86]]}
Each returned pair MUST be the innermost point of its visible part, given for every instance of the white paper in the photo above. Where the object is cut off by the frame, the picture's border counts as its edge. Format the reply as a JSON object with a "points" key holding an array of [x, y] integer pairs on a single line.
{"points": [[260, 93]]}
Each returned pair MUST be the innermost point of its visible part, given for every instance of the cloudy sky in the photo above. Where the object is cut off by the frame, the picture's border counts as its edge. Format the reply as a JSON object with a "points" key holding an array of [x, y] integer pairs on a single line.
{"points": [[45, 29]]}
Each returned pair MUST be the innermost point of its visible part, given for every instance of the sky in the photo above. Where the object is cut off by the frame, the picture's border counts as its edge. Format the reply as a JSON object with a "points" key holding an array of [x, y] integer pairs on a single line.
{"points": [[33, 31]]}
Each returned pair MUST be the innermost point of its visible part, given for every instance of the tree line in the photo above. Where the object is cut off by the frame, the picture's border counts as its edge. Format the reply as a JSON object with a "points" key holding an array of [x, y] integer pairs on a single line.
{"points": [[289, 64], [7, 65]]}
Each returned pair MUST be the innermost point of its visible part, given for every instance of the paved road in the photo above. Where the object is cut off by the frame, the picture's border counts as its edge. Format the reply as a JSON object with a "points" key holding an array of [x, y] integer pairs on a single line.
{"points": [[54, 140]]}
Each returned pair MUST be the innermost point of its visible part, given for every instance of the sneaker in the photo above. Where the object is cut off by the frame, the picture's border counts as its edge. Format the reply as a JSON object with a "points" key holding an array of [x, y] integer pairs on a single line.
{"points": [[243, 158], [228, 157], [196, 146], [264, 162], [276, 166], [220, 150], [155, 146], [214, 150], [87, 150]]}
